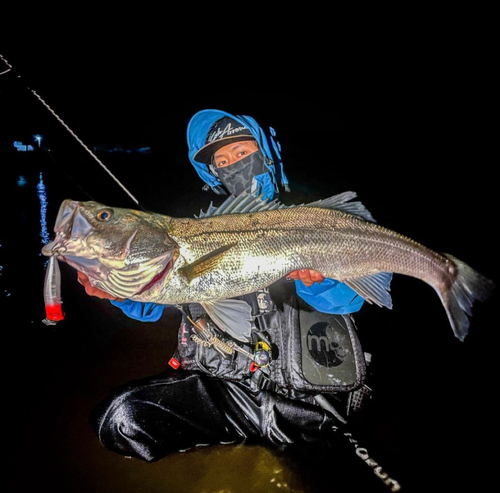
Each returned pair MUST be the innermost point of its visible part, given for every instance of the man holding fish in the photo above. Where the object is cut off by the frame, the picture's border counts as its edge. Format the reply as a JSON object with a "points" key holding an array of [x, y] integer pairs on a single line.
{"points": [[294, 377]]}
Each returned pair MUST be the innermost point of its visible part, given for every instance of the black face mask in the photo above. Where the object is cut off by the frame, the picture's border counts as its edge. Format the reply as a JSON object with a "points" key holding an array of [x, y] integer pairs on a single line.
{"points": [[237, 177]]}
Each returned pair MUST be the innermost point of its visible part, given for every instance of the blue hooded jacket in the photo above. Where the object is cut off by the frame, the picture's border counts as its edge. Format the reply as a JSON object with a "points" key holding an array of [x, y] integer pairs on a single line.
{"points": [[197, 131], [329, 296]]}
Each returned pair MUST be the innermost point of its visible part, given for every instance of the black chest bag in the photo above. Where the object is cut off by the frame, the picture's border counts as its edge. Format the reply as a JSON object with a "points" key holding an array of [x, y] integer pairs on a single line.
{"points": [[294, 350]]}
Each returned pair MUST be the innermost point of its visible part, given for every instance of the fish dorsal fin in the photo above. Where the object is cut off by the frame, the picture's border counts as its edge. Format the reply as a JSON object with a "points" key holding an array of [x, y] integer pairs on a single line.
{"points": [[232, 316], [206, 263], [340, 202], [374, 288], [246, 202]]}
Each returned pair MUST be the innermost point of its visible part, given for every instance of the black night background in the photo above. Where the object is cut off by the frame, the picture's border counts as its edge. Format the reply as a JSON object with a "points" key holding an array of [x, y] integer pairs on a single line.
{"points": [[413, 132]]}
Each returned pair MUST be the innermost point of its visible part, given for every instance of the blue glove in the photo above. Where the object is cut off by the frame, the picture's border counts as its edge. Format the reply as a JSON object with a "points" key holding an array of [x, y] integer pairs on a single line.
{"points": [[145, 312], [330, 296]]}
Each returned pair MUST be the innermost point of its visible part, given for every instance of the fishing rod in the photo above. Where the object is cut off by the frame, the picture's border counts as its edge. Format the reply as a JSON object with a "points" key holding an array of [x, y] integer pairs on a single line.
{"points": [[73, 134]]}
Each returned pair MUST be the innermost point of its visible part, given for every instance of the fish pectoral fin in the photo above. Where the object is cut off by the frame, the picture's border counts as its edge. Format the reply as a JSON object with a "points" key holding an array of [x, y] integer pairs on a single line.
{"points": [[206, 263], [374, 288], [232, 316]]}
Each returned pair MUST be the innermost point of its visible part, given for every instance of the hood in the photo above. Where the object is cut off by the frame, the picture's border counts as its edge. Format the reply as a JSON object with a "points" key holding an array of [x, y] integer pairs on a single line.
{"points": [[197, 132]]}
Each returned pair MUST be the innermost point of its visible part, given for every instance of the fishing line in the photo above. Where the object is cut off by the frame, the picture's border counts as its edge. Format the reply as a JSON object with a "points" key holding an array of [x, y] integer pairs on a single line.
{"points": [[60, 120], [6, 63]]}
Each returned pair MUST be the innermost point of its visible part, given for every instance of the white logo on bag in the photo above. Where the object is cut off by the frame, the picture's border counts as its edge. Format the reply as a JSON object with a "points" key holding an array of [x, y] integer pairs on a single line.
{"points": [[325, 345]]}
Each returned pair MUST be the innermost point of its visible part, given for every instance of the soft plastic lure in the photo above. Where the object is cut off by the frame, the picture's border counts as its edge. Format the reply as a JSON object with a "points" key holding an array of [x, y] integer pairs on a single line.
{"points": [[52, 291]]}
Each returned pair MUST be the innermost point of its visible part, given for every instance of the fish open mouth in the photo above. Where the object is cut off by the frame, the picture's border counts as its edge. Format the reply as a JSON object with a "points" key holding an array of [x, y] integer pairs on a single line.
{"points": [[158, 276]]}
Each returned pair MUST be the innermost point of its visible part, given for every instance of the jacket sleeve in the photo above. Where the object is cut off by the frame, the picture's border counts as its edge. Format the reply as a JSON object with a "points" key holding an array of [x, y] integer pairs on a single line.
{"points": [[145, 312], [330, 296]]}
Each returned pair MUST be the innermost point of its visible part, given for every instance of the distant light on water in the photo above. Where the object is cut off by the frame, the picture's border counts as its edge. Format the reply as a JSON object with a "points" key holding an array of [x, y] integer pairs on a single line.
{"points": [[42, 196], [21, 181]]}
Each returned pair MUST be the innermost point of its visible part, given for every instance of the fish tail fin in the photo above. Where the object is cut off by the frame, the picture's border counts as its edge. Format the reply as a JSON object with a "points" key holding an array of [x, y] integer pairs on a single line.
{"points": [[467, 286]]}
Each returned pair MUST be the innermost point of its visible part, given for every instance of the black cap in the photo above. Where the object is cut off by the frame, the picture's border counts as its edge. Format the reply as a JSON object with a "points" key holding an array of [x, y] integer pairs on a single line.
{"points": [[221, 133]]}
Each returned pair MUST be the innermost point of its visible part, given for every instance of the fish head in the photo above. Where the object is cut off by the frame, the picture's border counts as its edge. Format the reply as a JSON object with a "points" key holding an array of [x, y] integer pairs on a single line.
{"points": [[122, 251]]}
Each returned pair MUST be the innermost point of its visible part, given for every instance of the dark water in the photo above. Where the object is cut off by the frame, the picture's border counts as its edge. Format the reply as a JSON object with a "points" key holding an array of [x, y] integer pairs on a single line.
{"points": [[432, 423]]}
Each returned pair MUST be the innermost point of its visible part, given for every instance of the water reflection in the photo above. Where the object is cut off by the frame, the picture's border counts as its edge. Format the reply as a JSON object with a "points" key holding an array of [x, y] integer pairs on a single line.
{"points": [[42, 196]]}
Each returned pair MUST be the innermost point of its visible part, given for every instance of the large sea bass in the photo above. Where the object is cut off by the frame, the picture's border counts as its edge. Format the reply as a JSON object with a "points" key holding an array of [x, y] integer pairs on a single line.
{"points": [[247, 244]]}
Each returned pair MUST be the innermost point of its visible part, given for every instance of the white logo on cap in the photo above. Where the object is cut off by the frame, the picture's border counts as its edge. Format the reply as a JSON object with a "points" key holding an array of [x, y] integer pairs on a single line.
{"points": [[227, 131]]}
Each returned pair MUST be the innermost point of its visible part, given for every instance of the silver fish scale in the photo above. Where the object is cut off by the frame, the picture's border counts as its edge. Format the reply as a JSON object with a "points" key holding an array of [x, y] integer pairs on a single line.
{"points": [[263, 247]]}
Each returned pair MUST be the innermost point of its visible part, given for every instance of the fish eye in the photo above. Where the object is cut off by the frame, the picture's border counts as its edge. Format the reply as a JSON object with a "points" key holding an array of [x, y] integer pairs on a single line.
{"points": [[105, 215]]}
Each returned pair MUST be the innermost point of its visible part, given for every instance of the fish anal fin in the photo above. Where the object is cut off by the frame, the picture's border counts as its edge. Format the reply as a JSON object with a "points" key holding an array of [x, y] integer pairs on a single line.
{"points": [[232, 316], [206, 263], [373, 288]]}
